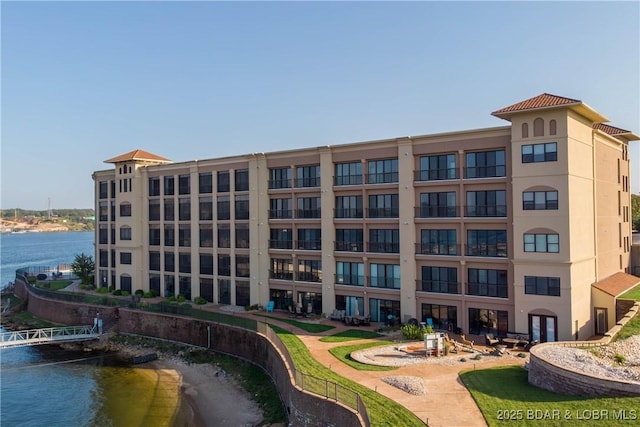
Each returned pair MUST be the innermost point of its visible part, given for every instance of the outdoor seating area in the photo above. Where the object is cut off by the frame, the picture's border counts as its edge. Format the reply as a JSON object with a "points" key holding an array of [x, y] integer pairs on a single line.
{"points": [[511, 340], [357, 320]]}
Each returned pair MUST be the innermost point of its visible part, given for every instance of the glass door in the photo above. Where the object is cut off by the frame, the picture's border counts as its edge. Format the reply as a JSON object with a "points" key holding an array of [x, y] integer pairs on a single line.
{"points": [[543, 328]]}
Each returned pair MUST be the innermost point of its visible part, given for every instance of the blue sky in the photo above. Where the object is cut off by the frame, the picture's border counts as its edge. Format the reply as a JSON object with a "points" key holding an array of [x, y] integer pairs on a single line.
{"points": [[85, 81]]}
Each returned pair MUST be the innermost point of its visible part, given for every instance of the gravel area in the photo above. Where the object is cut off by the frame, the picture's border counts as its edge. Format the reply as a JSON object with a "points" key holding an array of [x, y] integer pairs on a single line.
{"points": [[412, 385], [601, 361]]}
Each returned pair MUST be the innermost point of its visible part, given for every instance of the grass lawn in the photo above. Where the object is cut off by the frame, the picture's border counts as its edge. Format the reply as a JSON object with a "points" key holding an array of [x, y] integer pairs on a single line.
{"points": [[506, 398], [343, 354], [313, 328], [633, 293], [631, 328], [350, 335]]}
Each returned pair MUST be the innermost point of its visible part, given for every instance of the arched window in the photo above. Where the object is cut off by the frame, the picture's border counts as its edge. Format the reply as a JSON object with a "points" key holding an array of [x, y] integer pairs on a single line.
{"points": [[538, 127], [125, 283], [552, 127], [525, 130]]}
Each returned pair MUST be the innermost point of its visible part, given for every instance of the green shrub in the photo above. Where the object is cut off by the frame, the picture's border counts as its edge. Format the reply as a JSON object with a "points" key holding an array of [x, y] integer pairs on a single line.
{"points": [[181, 298], [412, 332], [117, 292], [172, 298], [200, 300], [102, 290], [522, 355], [139, 293], [619, 358], [150, 294], [125, 293], [112, 288]]}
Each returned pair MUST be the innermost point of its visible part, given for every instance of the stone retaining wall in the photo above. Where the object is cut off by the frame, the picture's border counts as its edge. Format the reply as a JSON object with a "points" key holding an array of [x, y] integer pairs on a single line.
{"points": [[303, 409]]}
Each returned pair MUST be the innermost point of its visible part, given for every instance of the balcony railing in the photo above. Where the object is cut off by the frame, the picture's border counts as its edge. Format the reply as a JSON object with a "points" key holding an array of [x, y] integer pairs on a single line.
{"points": [[382, 177], [347, 180], [487, 290], [279, 183], [384, 282], [280, 244], [438, 286], [486, 211], [347, 279], [346, 246], [308, 182], [485, 171], [384, 247], [437, 249], [281, 275], [308, 213], [436, 212], [347, 213], [496, 250], [308, 276], [435, 174], [314, 245], [383, 212], [280, 213]]}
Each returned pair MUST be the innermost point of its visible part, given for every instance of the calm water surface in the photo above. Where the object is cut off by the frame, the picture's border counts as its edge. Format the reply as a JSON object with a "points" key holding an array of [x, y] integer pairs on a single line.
{"points": [[46, 386]]}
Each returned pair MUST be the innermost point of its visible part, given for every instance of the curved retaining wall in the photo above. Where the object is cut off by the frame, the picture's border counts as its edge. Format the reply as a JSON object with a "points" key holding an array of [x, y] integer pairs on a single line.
{"points": [[303, 409]]}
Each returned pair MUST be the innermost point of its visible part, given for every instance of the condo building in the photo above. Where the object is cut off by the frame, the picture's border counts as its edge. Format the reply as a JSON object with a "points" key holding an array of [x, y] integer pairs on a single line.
{"points": [[521, 228]]}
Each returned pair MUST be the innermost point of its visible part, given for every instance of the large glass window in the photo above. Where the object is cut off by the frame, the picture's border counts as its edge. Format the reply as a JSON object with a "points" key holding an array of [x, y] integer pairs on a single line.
{"points": [[125, 257], [541, 243], [383, 206], [169, 185], [281, 238], [443, 317], [224, 236], [185, 287], [487, 321], [104, 258], [348, 207], [224, 265], [348, 173], [309, 239], [280, 208], [184, 209], [439, 279], [184, 235], [539, 200], [103, 235], [169, 285], [154, 186], [384, 240], [384, 276], [184, 184], [308, 207], [242, 207], [169, 210], [205, 183], [169, 261], [384, 310], [103, 210], [184, 262], [437, 168], [350, 273], [538, 285], [487, 283], [309, 270], [382, 171], [438, 242], [125, 233], [437, 205], [103, 189], [281, 269], [242, 180], [242, 236], [280, 178], [154, 210], [223, 182], [491, 203], [206, 289], [489, 243], [535, 153], [308, 176], [349, 239], [206, 208], [224, 208], [486, 164], [154, 235], [169, 235], [224, 291], [206, 236], [242, 266], [154, 261]]}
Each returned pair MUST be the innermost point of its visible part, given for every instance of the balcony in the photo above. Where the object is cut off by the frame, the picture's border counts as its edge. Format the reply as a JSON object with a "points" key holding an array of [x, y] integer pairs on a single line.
{"points": [[384, 247], [382, 178], [486, 211], [308, 182], [436, 212], [313, 245], [347, 180], [384, 282], [487, 290], [497, 171], [496, 250], [281, 275], [280, 244], [438, 249], [347, 213], [438, 286], [279, 183], [348, 279], [308, 213], [435, 174], [280, 213], [345, 246], [309, 276], [383, 213]]}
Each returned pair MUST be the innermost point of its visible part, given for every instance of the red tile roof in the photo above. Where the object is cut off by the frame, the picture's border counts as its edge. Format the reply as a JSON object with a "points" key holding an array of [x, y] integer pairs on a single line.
{"points": [[541, 101], [611, 130], [617, 284], [138, 155]]}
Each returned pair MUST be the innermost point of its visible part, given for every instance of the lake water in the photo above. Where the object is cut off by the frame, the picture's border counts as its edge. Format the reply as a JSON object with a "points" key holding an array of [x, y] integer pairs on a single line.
{"points": [[46, 386]]}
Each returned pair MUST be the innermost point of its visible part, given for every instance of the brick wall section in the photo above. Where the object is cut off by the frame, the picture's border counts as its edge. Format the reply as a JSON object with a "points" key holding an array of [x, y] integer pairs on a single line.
{"points": [[303, 409], [550, 376]]}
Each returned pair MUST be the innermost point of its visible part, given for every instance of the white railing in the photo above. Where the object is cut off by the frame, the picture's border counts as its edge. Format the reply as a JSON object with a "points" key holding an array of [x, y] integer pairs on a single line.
{"points": [[48, 336]]}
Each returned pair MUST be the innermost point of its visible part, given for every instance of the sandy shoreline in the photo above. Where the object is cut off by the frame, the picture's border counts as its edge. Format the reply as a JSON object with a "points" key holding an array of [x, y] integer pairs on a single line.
{"points": [[208, 397]]}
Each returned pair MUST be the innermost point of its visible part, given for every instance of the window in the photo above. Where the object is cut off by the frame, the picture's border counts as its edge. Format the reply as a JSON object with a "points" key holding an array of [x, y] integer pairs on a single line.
{"points": [[242, 180], [224, 265], [279, 178], [280, 208], [224, 236], [185, 287], [487, 283], [349, 239], [154, 235], [541, 243], [169, 210], [490, 243], [125, 209], [224, 208], [206, 208], [538, 285], [169, 235], [309, 270], [242, 207], [309, 239], [382, 171], [125, 233], [103, 189], [308, 176], [308, 207], [184, 184], [206, 264], [348, 207], [154, 261], [486, 164], [184, 262], [223, 181], [113, 193], [242, 266], [444, 317], [184, 209], [125, 258], [486, 203], [280, 238], [169, 261], [385, 276], [440, 279], [437, 205], [383, 206], [243, 294], [350, 273], [487, 321], [125, 283], [535, 153], [384, 240], [154, 210], [168, 186], [169, 285], [348, 173], [112, 211], [103, 235], [437, 168], [224, 291], [206, 289], [113, 235], [103, 211], [205, 183], [438, 242], [539, 200], [206, 236], [242, 236], [104, 258], [184, 235], [281, 269]]}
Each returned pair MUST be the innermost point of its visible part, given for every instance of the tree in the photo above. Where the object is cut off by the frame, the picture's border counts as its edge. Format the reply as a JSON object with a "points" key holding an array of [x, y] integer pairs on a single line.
{"points": [[84, 267], [635, 211]]}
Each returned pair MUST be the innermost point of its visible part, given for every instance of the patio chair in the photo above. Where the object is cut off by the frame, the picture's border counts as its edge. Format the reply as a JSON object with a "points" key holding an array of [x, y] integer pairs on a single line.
{"points": [[465, 341], [270, 306], [491, 340]]}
